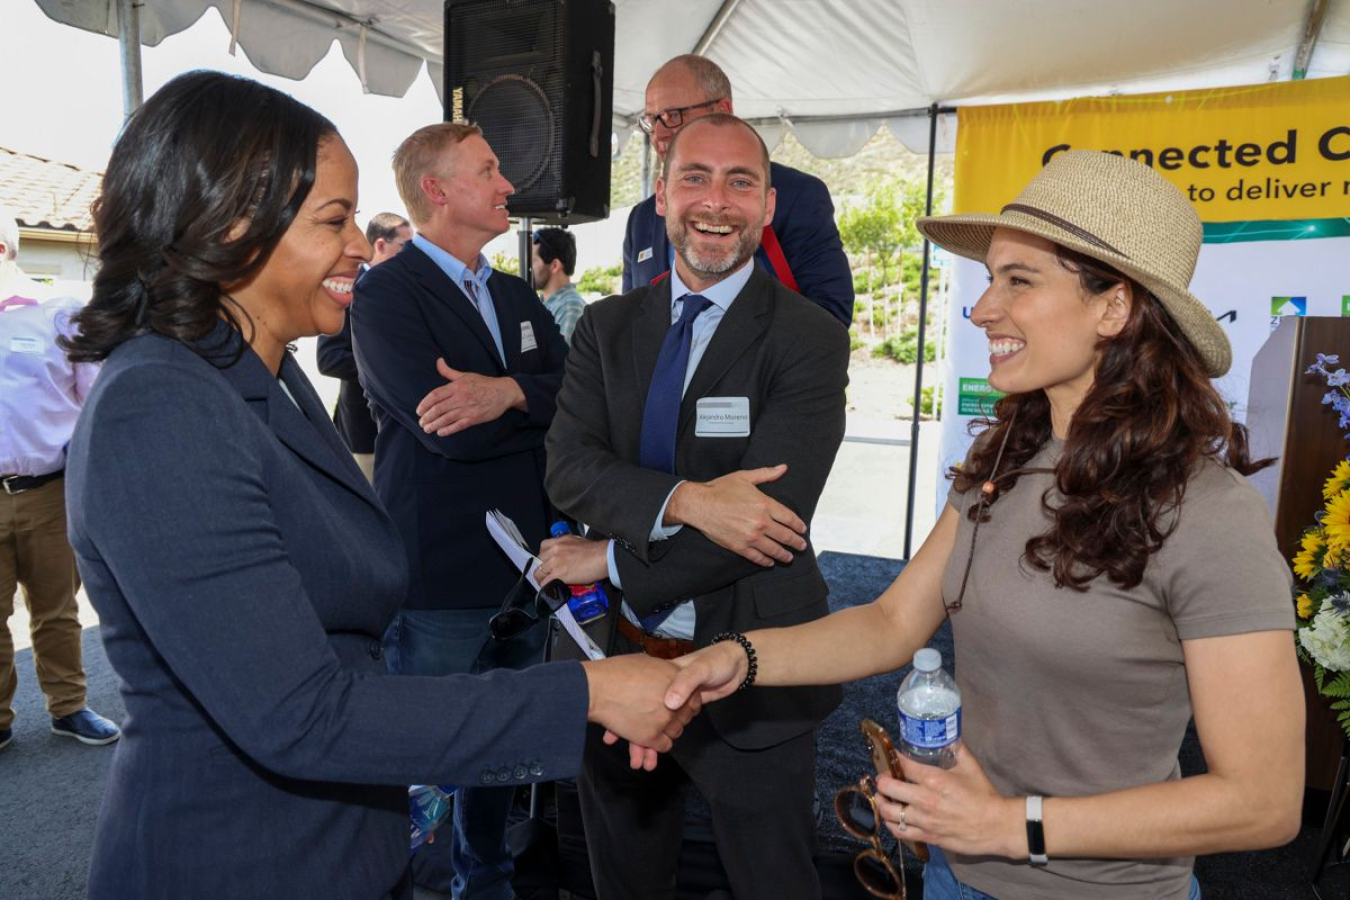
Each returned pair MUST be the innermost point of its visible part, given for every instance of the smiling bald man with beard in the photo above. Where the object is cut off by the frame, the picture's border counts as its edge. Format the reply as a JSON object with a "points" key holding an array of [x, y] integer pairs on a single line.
{"points": [[695, 429]]}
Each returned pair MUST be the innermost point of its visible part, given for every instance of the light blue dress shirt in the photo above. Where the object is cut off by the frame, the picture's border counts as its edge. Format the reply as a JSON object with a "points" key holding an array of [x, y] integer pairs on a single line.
{"points": [[680, 623], [459, 273]]}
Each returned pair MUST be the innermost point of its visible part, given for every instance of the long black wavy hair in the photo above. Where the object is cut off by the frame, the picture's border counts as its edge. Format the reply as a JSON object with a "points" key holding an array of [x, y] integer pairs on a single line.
{"points": [[203, 182]]}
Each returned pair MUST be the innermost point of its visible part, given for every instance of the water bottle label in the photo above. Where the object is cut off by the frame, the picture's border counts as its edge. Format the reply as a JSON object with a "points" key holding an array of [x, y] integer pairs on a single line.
{"points": [[931, 734]]}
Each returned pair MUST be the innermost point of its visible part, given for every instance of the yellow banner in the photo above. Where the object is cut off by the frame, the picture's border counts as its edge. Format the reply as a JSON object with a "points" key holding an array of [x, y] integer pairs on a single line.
{"points": [[1241, 154]]}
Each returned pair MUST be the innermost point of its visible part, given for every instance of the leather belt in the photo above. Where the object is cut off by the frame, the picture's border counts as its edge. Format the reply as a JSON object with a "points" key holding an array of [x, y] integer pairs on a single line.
{"points": [[660, 647], [17, 484]]}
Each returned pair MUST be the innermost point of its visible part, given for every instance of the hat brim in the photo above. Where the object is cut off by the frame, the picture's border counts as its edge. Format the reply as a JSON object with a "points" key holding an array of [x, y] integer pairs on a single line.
{"points": [[969, 235]]}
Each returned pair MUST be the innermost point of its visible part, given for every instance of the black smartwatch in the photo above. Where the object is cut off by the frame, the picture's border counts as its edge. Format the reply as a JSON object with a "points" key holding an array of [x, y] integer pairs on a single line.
{"points": [[1035, 833]]}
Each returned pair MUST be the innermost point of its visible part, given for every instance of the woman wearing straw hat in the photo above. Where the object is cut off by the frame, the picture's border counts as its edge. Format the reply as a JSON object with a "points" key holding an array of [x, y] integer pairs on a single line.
{"points": [[1106, 567]]}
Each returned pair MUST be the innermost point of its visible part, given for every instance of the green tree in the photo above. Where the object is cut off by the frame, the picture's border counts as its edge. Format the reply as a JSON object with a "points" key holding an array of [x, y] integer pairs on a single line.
{"points": [[881, 229]]}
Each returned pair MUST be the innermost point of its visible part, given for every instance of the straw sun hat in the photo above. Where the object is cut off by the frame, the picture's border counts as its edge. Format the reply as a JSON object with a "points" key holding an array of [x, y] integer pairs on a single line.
{"points": [[1115, 210]]}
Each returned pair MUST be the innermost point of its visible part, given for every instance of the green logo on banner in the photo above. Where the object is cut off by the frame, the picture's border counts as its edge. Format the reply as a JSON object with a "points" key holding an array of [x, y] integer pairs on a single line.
{"points": [[1288, 306], [976, 397], [1345, 305]]}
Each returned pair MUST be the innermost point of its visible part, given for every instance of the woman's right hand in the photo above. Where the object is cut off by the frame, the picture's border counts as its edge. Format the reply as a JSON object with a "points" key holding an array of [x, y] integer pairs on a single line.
{"points": [[712, 673], [629, 697], [704, 676]]}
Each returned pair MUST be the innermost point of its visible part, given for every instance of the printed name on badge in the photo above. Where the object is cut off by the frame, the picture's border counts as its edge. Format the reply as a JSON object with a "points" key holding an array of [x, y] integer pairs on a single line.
{"points": [[722, 417], [644, 255], [25, 344], [527, 341]]}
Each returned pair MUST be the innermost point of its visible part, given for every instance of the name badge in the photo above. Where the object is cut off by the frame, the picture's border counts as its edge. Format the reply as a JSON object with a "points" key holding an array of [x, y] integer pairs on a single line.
{"points": [[527, 341], [644, 255], [25, 344], [722, 417]]}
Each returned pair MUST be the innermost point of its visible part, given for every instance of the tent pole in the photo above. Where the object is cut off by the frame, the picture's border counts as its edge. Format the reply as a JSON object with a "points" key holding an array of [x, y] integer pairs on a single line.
{"points": [[923, 322], [646, 165], [1312, 27], [129, 39]]}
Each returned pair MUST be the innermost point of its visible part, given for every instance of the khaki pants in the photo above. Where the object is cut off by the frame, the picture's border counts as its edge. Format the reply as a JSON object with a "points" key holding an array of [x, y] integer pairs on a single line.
{"points": [[367, 463], [34, 552]]}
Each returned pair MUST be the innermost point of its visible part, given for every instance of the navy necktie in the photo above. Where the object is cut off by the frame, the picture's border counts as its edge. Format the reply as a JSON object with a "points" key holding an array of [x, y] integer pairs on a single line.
{"points": [[661, 414]]}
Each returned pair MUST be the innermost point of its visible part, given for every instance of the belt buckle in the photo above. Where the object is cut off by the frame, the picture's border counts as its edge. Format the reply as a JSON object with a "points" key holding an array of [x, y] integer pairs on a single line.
{"points": [[11, 490]]}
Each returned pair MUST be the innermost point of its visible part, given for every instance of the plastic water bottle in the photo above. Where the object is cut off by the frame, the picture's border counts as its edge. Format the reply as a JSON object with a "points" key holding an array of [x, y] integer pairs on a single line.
{"points": [[588, 602], [930, 712], [428, 806]]}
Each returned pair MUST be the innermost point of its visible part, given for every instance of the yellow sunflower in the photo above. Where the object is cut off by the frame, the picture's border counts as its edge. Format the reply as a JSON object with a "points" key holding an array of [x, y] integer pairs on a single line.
{"points": [[1336, 522], [1308, 560], [1339, 480], [1305, 606]]}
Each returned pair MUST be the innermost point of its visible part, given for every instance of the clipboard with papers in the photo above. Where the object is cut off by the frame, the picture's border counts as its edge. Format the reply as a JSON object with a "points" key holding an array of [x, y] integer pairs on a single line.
{"points": [[509, 538]]}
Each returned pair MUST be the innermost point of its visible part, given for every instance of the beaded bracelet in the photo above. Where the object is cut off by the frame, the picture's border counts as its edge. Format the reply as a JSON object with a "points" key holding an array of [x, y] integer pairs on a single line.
{"points": [[749, 649]]}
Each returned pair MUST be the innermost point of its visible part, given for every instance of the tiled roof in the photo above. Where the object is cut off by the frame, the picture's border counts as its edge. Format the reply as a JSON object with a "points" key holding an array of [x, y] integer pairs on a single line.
{"points": [[46, 194]]}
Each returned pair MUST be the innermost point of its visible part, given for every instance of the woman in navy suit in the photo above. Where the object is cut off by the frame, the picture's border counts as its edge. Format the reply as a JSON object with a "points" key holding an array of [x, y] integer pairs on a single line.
{"points": [[241, 566]]}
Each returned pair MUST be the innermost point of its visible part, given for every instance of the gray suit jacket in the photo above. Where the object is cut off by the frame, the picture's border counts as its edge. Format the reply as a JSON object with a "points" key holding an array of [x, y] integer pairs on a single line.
{"points": [[244, 572], [790, 359]]}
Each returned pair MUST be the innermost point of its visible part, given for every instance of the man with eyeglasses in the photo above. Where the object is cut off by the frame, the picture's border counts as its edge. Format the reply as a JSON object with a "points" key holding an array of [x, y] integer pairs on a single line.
{"points": [[801, 247], [387, 233]]}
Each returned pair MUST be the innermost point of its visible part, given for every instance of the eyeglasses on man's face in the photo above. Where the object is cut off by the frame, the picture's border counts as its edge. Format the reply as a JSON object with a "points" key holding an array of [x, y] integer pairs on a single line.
{"points": [[671, 118]]}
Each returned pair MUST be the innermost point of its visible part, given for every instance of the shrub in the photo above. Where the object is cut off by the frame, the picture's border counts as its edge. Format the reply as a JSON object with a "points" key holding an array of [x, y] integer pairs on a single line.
{"points": [[604, 280], [904, 348]]}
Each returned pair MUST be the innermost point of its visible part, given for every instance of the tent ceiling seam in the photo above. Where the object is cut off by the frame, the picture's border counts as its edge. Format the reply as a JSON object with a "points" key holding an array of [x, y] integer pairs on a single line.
{"points": [[341, 21]]}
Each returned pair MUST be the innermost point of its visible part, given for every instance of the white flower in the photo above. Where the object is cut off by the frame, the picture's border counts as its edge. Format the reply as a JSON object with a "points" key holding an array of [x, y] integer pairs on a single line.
{"points": [[1327, 640]]}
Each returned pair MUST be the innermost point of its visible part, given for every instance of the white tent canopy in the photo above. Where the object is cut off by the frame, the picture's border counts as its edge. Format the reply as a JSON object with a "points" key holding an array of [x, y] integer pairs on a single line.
{"points": [[832, 71]]}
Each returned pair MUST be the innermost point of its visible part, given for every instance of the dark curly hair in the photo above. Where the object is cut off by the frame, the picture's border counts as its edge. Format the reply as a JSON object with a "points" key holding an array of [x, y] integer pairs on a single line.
{"points": [[208, 155], [1150, 418]]}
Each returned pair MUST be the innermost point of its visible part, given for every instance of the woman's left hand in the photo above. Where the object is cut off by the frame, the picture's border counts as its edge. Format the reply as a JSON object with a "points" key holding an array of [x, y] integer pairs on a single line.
{"points": [[956, 809]]}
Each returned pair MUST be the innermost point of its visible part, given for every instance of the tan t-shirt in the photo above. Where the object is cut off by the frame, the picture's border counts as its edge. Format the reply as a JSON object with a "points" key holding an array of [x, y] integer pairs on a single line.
{"points": [[1066, 693]]}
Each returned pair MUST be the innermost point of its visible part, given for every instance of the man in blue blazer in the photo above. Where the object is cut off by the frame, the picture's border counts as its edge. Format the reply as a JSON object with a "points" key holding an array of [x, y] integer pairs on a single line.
{"points": [[387, 233], [801, 247], [438, 312]]}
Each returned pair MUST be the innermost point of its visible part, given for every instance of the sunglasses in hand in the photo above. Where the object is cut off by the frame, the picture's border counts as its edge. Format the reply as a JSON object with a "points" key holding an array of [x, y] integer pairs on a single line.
{"points": [[856, 808], [525, 606]]}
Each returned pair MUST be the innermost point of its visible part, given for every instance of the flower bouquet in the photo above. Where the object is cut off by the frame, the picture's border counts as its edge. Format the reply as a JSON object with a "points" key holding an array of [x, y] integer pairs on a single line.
{"points": [[1322, 565]]}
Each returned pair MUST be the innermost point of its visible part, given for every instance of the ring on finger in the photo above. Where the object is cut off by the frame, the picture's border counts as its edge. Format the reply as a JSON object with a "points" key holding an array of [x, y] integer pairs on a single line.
{"points": [[900, 820]]}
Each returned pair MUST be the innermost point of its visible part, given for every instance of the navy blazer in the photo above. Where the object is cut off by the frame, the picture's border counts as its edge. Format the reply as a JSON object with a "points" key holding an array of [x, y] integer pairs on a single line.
{"points": [[803, 220], [352, 414], [406, 314], [789, 360], [243, 572]]}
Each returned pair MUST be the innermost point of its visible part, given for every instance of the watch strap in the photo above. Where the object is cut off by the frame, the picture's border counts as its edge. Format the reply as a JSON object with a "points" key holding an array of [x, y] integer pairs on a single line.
{"points": [[1035, 833]]}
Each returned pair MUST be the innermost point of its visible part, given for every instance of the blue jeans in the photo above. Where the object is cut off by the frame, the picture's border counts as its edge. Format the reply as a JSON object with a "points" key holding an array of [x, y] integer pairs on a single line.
{"points": [[940, 884], [457, 642]]}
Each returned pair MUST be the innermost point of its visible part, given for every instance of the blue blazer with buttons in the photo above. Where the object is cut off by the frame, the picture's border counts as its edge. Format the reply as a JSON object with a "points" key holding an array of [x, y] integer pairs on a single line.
{"points": [[803, 221], [407, 314], [243, 572]]}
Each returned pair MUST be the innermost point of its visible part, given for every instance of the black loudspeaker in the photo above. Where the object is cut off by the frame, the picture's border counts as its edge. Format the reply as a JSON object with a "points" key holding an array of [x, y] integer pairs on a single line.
{"points": [[538, 77]]}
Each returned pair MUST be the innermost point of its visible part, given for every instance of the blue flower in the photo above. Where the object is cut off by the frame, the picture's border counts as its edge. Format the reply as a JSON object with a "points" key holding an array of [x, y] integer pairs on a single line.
{"points": [[1337, 378], [1323, 360]]}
